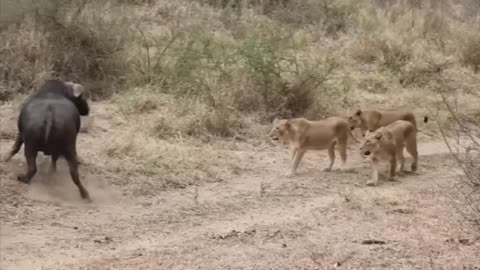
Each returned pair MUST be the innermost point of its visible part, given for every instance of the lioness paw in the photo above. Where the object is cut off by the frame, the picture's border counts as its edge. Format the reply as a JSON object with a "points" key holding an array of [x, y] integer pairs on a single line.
{"points": [[371, 183]]}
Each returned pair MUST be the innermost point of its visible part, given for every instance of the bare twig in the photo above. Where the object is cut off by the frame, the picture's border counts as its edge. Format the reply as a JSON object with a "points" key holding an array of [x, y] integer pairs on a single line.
{"points": [[164, 50], [464, 129], [78, 11], [469, 164], [146, 45]]}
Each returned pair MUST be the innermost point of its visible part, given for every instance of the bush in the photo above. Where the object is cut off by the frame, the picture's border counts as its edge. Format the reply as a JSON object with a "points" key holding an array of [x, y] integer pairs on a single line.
{"points": [[260, 73], [23, 62], [274, 58], [61, 43], [465, 148]]}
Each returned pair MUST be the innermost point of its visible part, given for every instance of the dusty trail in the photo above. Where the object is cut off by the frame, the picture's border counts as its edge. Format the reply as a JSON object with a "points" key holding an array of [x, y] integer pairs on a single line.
{"points": [[253, 219]]}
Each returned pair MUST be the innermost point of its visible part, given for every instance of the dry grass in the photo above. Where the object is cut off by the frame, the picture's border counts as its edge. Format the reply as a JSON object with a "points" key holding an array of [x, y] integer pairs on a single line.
{"points": [[179, 72], [470, 50], [465, 148], [153, 142], [262, 60], [184, 92], [145, 161]]}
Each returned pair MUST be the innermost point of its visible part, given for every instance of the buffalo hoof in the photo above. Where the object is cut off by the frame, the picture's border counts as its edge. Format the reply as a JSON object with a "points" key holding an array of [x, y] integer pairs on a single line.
{"points": [[22, 178], [6, 158], [87, 199], [85, 195]]}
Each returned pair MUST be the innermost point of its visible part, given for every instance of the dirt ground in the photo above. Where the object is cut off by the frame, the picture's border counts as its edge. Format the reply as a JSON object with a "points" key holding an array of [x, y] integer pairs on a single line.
{"points": [[254, 218]]}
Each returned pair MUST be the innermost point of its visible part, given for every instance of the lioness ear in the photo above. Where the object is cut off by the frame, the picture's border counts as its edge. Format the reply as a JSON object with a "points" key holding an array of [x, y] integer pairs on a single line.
{"points": [[288, 124], [358, 112], [378, 136]]}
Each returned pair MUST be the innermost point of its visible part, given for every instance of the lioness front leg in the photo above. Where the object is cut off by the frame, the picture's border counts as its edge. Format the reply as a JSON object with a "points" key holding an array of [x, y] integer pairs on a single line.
{"points": [[293, 152], [401, 158], [296, 157], [393, 168], [374, 180], [412, 149]]}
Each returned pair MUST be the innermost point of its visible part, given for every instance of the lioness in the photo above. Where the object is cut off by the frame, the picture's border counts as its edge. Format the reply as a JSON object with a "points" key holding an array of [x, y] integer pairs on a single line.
{"points": [[302, 135], [371, 120], [387, 143]]}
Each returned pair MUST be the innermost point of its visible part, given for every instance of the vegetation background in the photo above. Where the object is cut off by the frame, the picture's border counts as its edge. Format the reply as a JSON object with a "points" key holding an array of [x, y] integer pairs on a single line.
{"points": [[176, 81]]}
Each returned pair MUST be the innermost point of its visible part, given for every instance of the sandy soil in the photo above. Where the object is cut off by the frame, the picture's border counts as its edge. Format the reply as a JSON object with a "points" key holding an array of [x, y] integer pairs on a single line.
{"points": [[255, 218]]}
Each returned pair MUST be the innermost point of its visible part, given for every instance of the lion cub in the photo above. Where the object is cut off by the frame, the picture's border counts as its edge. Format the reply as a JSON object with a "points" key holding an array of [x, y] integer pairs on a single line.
{"points": [[302, 135], [386, 144], [371, 120]]}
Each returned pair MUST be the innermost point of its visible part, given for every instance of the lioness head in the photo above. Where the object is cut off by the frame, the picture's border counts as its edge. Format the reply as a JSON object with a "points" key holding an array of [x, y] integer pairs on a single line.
{"points": [[279, 130], [371, 143], [355, 120]]}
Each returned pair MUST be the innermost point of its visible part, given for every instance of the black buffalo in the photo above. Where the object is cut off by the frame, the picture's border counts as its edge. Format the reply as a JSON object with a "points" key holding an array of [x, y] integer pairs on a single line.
{"points": [[49, 122]]}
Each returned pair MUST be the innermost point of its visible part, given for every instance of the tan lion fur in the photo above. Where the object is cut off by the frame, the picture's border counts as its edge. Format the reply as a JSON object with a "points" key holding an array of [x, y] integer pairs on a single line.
{"points": [[387, 144], [302, 135], [371, 120]]}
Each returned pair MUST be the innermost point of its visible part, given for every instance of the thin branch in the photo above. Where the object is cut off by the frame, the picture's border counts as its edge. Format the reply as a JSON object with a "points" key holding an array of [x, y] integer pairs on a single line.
{"points": [[445, 139], [147, 48], [164, 50], [78, 12], [458, 121]]}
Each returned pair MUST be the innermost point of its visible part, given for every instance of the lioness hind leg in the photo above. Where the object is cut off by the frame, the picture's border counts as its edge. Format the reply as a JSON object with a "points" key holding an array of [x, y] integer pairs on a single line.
{"points": [[342, 148], [331, 156], [412, 150]]}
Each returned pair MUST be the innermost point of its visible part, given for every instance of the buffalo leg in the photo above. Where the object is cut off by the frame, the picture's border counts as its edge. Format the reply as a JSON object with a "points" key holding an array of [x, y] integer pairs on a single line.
{"points": [[73, 165], [53, 165], [31, 157], [15, 148]]}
